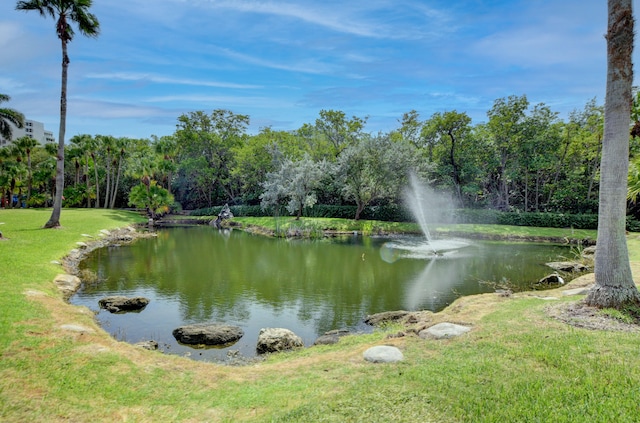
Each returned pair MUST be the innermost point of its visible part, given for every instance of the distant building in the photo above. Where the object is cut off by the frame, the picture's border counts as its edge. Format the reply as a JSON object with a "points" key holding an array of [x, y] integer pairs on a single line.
{"points": [[31, 129]]}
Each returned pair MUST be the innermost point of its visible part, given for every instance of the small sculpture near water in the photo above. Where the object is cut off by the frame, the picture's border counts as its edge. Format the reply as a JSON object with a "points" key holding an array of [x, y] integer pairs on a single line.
{"points": [[224, 214]]}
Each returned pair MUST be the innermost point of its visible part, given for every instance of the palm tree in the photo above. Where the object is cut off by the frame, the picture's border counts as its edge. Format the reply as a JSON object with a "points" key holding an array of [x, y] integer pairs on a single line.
{"points": [[25, 145], [150, 196], [64, 12], [614, 286], [8, 117], [15, 171], [167, 147], [83, 145], [123, 145]]}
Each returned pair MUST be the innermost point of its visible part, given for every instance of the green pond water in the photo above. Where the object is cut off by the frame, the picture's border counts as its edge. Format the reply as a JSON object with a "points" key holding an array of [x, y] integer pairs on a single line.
{"points": [[200, 274]]}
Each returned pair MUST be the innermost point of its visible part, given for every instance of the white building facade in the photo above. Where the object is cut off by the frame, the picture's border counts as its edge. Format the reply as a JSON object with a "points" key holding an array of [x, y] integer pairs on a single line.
{"points": [[31, 129]]}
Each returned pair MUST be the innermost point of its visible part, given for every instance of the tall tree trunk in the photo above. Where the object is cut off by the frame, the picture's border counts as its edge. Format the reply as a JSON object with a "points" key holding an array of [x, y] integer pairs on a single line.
{"points": [[455, 168], [108, 189], [614, 283], [12, 186], [559, 168], [115, 185], [359, 208], [526, 191], [504, 185], [76, 180], [88, 180], [95, 171], [30, 181], [54, 220]]}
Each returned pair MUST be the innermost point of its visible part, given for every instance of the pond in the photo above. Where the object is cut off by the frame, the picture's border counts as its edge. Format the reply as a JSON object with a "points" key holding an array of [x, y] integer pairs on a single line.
{"points": [[200, 274]]}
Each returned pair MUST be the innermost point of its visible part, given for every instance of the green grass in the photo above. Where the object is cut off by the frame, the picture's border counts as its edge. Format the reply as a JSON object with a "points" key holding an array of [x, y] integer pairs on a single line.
{"points": [[516, 365], [368, 227], [285, 223]]}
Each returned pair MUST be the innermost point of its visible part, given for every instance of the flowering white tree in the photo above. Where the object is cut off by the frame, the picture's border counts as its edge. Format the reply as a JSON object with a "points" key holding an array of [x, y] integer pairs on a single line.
{"points": [[295, 181]]}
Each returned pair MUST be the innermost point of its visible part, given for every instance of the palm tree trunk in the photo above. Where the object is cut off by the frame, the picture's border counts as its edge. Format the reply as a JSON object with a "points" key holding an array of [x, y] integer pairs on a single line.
{"points": [[115, 186], [54, 220], [614, 283], [108, 190], [30, 181], [95, 171], [88, 181]]}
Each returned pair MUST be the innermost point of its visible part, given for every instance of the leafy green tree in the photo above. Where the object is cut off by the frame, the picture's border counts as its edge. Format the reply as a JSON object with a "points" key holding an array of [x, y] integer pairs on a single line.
{"points": [[449, 129], [614, 285], [375, 168], [338, 130], [410, 130], [254, 159], [13, 170], [505, 124], [25, 145], [535, 156], [167, 149], [151, 197], [206, 144], [65, 12], [9, 117]]}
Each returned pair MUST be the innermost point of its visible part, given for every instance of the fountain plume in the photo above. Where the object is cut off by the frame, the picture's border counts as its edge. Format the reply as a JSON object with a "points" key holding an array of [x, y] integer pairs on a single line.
{"points": [[427, 206]]}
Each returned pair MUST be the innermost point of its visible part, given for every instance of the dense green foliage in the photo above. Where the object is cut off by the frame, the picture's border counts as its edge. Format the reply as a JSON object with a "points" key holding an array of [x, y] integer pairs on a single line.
{"points": [[524, 166]]}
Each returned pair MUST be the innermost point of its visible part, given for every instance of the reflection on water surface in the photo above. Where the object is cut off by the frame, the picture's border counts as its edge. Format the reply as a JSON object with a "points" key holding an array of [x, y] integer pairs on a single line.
{"points": [[199, 274]]}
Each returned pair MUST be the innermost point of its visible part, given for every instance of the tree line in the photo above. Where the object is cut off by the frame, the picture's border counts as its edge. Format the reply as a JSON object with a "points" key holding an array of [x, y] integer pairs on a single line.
{"points": [[523, 158]]}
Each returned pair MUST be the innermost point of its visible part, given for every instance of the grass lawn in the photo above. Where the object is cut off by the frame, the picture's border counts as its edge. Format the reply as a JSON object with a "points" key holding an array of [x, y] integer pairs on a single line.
{"points": [[286, 223], [516, 365]]}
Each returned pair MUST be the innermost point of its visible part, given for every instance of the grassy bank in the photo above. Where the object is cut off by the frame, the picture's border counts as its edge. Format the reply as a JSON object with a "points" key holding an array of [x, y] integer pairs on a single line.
{"points": [[517, 364], [369, 227]]}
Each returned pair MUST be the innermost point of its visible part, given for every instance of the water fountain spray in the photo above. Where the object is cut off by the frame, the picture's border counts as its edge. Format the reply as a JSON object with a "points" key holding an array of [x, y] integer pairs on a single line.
{"points": [[414, 197]]}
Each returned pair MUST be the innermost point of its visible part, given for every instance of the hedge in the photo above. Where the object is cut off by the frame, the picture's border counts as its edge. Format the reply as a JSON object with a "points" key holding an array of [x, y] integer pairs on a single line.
{"points": [[395, 213]]}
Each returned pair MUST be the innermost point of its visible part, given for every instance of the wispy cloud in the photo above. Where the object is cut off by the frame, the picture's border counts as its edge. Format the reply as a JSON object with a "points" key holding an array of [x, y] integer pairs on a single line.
{"points": [[158, 79], [311, 66], [361, 18], [253, 101], [532, 46]]}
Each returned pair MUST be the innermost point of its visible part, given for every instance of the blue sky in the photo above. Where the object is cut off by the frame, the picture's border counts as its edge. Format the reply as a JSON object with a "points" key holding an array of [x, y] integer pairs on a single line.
{"points": [[281, 62]]}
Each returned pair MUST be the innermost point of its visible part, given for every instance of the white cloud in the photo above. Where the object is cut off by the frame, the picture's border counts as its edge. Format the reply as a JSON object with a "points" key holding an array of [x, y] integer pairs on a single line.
{"points": [[253, 101], [363, 18], [158, 79], [312, 66], [535, 46]]}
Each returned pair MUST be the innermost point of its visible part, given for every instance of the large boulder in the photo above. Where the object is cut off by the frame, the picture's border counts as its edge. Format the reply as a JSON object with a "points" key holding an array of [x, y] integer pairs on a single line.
{"points": [[277, 339], [120, 304], [383, 354], [67, 284], [443, 331], [208, 334]]}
